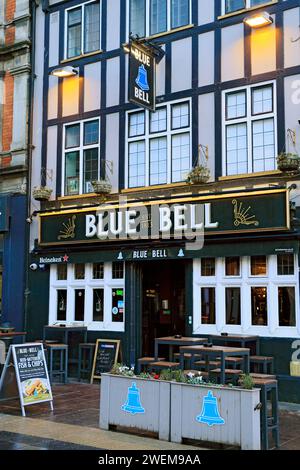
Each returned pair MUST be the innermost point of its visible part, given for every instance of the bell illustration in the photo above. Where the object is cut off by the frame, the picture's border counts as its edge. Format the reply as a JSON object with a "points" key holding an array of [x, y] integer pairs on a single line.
{"points": [[133, 404], [142, 80], [210, 414]]}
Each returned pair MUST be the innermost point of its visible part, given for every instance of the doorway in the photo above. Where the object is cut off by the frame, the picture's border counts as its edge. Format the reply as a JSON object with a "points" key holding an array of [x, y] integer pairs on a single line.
{"points": [[163, 302]]}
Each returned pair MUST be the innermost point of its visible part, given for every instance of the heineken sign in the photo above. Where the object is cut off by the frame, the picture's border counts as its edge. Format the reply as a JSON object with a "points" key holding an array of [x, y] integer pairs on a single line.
{"points": [[141, 77], [186, 219]]}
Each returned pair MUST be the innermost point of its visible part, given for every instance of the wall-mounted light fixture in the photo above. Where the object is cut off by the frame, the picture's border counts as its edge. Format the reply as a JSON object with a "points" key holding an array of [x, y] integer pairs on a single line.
{"points": [[64, 72], [259, 20]]}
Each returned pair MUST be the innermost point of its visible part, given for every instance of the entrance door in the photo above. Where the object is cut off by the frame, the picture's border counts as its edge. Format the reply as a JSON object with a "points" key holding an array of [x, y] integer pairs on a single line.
{"points": [[163, 307]]}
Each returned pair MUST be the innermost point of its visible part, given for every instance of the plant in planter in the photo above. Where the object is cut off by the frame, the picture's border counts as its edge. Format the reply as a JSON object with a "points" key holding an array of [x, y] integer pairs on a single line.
{"points": [[41, 193], [198, 175], [102, 187], [288, 162], [246, 382]]}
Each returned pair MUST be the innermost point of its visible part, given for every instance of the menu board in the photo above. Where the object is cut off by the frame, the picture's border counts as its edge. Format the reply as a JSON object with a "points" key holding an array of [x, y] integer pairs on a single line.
{"points": [[31, 374], [106, 355]]}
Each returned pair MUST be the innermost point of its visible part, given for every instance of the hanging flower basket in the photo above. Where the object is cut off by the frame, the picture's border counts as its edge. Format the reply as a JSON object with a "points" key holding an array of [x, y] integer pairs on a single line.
{"points": [[41, 193], [288, 162], [102, 187], [198, 175]]}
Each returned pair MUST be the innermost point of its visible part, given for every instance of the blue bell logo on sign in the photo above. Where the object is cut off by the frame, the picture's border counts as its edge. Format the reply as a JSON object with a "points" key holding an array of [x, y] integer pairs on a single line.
{"points": [[133, 403], [210, 413], [142, 79]]}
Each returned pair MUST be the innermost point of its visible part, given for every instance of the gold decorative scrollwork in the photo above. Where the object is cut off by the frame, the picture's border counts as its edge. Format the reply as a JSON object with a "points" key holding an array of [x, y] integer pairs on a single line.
{"points": [[68, 230], [242, 216]]}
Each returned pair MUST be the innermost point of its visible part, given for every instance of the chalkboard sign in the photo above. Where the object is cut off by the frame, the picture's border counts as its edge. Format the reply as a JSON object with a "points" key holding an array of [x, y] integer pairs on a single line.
{"points": [[31, 374], [106, 356]]}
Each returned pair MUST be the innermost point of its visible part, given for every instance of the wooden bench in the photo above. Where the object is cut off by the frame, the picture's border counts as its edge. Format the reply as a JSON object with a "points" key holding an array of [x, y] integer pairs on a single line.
{"points": [[262, 364], [263, 376], [160, 365], [233, 373], [145, 361], [211, 364]]}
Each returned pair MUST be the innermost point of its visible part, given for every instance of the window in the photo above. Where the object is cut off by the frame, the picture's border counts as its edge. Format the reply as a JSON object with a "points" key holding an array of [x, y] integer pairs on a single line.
{"points": [[249, 130], [208, 305], [287, 306], [83, 29], [61, 272], [149, 17], [232, 266], [233, 305], [285, 265], [258, 266], [92, 294], [208, 267], [81, 157], [159, 145], [236, 5], [256, 295], [259, 306]]}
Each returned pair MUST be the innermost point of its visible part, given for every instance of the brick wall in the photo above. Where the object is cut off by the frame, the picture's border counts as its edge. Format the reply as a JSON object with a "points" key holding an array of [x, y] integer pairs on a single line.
{"points": [[10, 9]]}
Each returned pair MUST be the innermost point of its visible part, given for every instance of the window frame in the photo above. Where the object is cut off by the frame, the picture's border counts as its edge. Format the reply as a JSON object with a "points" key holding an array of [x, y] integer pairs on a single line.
{"points": [[147, 19], [249, 119], [247, 7], [148, 136], [66, 35], [88, 284], [220, 282], [81, 150]]}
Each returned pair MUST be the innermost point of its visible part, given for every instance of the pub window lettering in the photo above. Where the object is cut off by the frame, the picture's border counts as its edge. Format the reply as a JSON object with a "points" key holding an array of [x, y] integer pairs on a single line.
{"points": [[159, 145], [231, 6], [89, 293], [249, 129], [82, 26], [262, 290], [151, 17], [81, 157]]}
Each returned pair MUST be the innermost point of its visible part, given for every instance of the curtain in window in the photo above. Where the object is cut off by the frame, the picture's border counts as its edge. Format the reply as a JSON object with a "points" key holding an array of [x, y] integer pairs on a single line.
{"points": [[92, 27], [158, 16], [137, 17], [180, 13]]}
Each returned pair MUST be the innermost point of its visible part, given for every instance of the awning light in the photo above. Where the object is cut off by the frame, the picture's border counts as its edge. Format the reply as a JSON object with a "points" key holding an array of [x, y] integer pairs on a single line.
{"points": [[64, 72], [259, 20]]}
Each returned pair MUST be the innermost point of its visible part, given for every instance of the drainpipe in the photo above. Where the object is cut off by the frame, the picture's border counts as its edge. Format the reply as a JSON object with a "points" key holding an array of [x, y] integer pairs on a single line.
{"points": [[33, 7]]}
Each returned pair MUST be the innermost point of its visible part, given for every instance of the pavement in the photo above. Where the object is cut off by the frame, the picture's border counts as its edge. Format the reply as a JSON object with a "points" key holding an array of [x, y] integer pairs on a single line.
{"points": [[73, 425]]}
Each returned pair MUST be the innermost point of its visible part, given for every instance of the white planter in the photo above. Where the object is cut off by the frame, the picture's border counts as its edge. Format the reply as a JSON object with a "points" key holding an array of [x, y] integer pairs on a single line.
{"points": [[194, 409], [116, 400]]}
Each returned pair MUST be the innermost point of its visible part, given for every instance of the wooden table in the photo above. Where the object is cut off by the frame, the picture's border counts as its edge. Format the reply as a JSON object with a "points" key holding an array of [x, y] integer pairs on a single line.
{"points": [[9, 337], [171, 341], [216, 351], [66, 330], [243, 340]]}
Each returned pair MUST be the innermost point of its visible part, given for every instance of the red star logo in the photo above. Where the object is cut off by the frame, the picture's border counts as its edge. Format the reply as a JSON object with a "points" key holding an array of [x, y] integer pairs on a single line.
{"points": [[65, 258]]}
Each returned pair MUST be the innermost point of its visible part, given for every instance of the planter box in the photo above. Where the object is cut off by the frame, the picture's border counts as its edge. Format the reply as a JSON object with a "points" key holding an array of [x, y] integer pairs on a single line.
{"points": [[135, 403], [214, 414]]}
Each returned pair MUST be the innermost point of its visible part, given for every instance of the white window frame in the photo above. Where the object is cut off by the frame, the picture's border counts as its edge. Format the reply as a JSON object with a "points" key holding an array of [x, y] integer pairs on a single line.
{"points": [[147, 19], [88, 284], [147, 136], [248, 120], [79, 149], [245, 282], [82, 6], [247, 6]]}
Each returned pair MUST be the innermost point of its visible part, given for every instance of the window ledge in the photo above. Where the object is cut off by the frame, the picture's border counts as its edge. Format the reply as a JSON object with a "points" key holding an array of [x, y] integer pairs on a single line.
{"points": [[245, 10], [82, 56], [250, 175]]}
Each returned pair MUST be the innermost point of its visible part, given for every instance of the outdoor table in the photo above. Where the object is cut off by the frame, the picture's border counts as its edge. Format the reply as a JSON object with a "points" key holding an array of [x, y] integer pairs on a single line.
{"points": [[243, 340], [171, 341], [66, 330], [8, 338], [216, 351]]}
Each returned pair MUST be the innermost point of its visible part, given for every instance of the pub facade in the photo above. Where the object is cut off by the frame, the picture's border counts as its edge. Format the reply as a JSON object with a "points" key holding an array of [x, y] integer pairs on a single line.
{"points": [[130, 96]]}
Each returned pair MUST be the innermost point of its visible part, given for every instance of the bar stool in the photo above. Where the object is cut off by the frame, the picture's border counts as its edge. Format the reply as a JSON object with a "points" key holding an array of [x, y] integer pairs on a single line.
{"points": [[60, 359], [85, 359], [268, 423], [145, 361], [262, 364]]}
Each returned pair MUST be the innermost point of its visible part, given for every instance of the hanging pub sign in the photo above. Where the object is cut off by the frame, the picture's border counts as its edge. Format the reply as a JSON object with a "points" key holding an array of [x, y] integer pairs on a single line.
{"points": [[141, 77], [25, 371]]}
